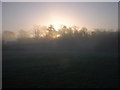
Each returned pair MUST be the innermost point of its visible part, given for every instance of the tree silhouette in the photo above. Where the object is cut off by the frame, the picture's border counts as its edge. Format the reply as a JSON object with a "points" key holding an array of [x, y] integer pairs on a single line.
{"points": [[23, 34], [63, 30], [51, 32], [36, 32], [83, 31], [8, 36]]}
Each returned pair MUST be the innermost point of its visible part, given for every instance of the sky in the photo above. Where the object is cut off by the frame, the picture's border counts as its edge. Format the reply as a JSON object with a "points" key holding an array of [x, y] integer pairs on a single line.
{"points": [[24, 15]]}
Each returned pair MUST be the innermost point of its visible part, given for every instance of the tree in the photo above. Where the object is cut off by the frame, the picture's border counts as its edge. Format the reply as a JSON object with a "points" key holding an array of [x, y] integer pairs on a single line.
{"points": [[23, 34], [63, 30], [75, 31], [51, 32], [83, 31], [36, 32], [8, 36]]}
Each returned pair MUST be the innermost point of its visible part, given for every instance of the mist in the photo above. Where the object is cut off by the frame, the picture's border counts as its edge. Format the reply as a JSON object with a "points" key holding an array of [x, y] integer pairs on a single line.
{"points": [[66, 39], [70, 57]]}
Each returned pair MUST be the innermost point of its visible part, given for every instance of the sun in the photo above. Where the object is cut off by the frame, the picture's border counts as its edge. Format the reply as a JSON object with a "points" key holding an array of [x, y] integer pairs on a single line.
{"points": [[57, 20], [56, 26]]}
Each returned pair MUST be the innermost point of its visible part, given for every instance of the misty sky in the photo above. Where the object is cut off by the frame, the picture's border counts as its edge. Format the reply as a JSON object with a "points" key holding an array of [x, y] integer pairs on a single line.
{"points": [[21, 15]]}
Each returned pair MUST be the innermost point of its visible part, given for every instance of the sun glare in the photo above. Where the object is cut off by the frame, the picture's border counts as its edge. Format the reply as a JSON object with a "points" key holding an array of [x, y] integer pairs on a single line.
{"points": [[56, 26], [58, 35], [57, 20]]}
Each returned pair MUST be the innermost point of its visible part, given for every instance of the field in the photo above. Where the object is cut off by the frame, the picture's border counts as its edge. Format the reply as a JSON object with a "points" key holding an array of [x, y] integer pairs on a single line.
{"points": [[66, 62], [59, 70]]}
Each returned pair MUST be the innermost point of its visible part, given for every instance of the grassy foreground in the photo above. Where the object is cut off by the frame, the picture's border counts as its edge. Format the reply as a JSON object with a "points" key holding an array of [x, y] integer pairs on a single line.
{"points": [[59, 70]]}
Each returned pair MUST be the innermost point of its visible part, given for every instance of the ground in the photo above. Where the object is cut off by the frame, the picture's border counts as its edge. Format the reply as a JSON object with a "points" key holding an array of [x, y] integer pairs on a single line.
{"points": [[59, 70]]}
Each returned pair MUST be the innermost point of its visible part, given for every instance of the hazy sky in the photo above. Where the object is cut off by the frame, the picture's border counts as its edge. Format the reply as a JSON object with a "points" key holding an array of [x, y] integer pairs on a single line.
{"points": [[21, 15]]}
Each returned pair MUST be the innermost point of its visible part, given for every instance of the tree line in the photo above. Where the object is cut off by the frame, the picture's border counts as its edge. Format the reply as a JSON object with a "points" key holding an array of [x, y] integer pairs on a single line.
{"points": [[49, 32], [74, 39]]}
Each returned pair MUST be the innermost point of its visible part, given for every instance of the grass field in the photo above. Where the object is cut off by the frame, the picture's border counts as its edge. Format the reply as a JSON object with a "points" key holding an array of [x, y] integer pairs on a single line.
{"points": [[62, 70]]}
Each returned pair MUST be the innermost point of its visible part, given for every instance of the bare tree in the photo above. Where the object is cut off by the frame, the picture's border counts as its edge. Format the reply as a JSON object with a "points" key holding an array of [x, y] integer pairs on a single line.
{"points": [[22, 34], [51, 32], [75, 30], [8, 36], [63, 30], [36, 31], [83, 31]]}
